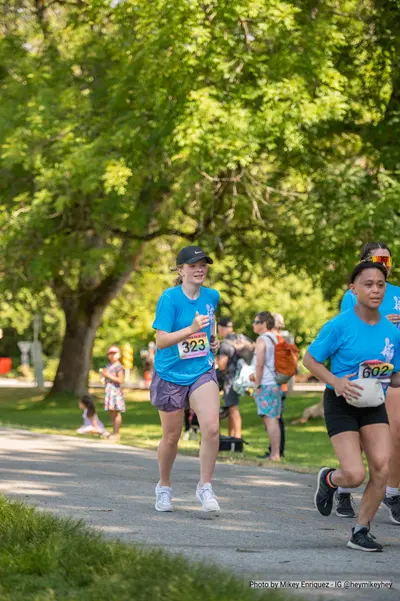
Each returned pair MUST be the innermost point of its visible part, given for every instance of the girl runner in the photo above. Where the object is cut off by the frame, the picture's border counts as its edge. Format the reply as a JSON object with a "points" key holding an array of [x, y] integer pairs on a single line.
{"points": [[379, 252], [360, 344], [184, 367]]}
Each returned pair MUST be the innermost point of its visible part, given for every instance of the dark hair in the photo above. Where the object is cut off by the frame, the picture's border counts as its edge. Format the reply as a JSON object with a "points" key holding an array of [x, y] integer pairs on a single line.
{"points": [[368, 249], [225, 322], [268, 318], [88, 401], [366, 265]]}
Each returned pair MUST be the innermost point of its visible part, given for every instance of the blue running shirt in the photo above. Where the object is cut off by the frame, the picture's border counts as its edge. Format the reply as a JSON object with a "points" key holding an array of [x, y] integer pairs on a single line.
{"points": [[390, 303], [183, 364], [349, 342]]}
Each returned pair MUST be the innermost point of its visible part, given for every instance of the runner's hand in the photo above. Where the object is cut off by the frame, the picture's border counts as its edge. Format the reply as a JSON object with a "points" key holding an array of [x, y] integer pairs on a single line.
{"points": [[349, 390], [214, 344], [105, 373], [394, 318], [199, 322]]}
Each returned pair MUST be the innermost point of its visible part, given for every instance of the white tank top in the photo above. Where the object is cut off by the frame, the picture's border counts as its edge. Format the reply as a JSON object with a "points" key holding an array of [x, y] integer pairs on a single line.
{"points": [[269, 373]]}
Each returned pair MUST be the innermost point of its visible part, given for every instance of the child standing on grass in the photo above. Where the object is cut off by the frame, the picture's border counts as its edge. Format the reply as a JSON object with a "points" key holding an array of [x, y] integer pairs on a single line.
{"points": [[114, 398], [91, 421]]}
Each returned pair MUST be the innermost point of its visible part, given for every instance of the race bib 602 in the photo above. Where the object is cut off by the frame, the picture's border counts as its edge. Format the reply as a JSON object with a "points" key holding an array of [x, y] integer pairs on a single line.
{"points": [[375, 369], [196, 345]]}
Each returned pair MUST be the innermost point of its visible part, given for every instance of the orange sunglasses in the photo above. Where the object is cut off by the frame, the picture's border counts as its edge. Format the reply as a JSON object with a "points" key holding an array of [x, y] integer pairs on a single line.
{"points": [[386, 261]]}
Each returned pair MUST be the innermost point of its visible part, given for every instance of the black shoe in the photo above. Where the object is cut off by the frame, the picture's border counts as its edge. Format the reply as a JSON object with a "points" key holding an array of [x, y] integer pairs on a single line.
{"points": [[393, 504], [344, 508], [363, 541], [323, 498]]}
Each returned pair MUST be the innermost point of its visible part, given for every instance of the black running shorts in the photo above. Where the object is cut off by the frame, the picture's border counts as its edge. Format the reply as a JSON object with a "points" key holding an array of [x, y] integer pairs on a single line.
{"points": [[342, 417]]}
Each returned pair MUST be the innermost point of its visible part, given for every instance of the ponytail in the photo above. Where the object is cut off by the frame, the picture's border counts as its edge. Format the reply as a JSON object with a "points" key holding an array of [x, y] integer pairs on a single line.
{"points": [[178, 280]]}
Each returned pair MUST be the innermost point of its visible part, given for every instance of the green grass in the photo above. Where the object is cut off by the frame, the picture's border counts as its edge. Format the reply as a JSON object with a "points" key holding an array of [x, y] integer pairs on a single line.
{"points": [[307, 446], [43, 558]]}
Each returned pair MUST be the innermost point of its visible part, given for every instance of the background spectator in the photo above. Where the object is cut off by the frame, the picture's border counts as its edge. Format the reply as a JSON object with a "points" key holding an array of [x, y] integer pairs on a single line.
{"points": [[227, 360]]}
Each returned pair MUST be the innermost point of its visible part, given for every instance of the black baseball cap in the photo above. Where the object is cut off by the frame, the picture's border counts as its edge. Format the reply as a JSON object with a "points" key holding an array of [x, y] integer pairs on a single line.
{"points": [[225, 322], [192, 254]]}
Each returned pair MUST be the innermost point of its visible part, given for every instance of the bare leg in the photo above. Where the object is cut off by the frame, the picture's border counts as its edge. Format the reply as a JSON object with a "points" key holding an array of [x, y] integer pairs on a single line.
{"points": [[274, 434], [231, 427], [393, 411], [171, 423], [205, 402], [377, 447], [235, 422], [117, 421], [347, 446]]}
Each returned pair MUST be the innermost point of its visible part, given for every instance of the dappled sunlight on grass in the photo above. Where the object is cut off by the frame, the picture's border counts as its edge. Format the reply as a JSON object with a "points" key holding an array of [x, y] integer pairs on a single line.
{"points": [[307, 445], [305, 429]]}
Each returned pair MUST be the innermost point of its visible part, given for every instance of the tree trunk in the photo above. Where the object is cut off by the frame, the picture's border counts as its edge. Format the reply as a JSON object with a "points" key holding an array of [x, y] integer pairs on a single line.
{"points": [[76, 355], [84, 308]]}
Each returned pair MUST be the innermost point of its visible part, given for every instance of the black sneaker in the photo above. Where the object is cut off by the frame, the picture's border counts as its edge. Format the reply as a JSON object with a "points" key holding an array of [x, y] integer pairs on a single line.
{"points": [[344, 507], [393, 504], [323, 498], [363, 541]]}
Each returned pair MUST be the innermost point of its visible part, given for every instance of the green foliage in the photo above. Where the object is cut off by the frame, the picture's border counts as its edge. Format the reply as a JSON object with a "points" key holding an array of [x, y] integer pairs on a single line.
{"points": [[17, 311], [248, 119], [257, 128]]}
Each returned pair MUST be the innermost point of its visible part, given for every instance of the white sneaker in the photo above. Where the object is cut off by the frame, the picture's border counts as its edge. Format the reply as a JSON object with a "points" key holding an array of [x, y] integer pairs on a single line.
{"points": [[206, 496], [163, 498]]}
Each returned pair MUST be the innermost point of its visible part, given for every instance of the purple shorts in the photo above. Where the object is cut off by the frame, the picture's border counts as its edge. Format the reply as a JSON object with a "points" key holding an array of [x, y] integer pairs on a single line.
{"points": [[167, 396]]}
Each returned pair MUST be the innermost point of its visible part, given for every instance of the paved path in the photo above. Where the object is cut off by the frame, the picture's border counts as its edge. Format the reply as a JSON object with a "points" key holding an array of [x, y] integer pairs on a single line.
{"points": [[268, 528]]}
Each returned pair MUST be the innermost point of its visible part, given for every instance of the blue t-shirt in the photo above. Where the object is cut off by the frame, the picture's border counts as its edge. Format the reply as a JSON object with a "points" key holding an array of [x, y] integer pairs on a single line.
{"points": [[348, 341], [174, 312], [390, 303]]}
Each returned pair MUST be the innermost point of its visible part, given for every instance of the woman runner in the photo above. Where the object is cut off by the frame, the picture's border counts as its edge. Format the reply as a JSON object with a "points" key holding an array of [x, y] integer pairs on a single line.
{"points": [[184, 367], [362, 345], [379, 252]]}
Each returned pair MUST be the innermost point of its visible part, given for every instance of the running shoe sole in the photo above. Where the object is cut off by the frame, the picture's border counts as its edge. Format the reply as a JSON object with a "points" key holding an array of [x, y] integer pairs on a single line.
{"points": [[159, 509], [343, 515], [204, 509], [351, 545], [318, 484], [392, 519]]}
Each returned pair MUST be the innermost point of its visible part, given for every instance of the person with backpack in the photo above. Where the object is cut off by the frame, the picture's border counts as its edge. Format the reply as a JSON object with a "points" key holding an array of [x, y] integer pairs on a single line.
{"points": [[275, 363], [279, 330], [267, 391], [227, 361]]}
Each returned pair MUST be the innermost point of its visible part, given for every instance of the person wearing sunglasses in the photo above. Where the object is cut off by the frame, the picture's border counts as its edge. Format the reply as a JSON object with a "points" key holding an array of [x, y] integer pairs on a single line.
{"points": [[380, 253], [267, 392]]}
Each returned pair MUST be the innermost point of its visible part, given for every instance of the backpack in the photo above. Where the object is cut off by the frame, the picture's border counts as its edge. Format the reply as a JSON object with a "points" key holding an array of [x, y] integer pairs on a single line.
{"points": [[241, 382], [244, 350], [286, 359]]}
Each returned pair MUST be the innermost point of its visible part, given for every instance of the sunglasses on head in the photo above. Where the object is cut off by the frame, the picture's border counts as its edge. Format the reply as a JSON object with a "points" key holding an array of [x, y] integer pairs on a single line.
{"points": [[386, 261]]}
